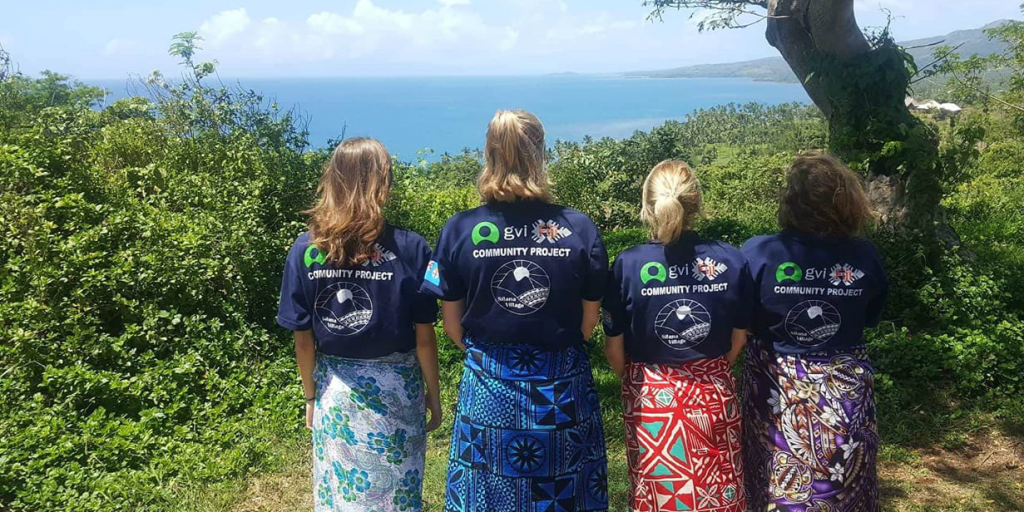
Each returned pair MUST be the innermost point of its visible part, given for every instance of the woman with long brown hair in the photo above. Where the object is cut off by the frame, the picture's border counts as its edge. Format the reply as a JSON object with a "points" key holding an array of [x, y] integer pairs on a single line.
{"points": [[364, 338], [810, 438], [521, 278]]}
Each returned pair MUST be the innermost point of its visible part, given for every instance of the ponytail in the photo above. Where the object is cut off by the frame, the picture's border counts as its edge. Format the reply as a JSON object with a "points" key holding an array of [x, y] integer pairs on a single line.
{"points": [[671, 200]]}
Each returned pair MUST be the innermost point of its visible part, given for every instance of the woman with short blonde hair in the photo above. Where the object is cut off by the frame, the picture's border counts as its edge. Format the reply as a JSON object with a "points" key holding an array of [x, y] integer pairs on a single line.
{"points": [[521, 278], [676, 313], [820, 285], [364, 338]]}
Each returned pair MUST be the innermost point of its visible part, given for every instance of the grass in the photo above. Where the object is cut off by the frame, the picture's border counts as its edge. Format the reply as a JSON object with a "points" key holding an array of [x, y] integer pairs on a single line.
{"points": [[945, 456]]}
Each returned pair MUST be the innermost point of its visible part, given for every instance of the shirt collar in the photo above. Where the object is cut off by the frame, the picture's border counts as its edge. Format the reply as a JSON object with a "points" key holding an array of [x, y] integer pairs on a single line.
{"points": [[685, 238]]}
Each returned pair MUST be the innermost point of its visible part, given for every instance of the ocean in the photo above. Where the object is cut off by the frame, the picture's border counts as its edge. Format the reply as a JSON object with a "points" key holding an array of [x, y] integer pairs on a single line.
{"points": [[424, 117]]}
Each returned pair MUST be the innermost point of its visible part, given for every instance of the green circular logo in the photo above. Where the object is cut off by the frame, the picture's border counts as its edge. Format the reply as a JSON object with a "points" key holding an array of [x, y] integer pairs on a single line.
{"points": [[789, 271], [320, 258], [653, 271], [479, 236]]}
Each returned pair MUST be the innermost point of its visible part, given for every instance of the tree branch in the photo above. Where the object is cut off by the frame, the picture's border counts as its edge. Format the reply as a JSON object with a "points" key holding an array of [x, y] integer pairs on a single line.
{"points": [[731, 9], [925, 74], [987, 95]]}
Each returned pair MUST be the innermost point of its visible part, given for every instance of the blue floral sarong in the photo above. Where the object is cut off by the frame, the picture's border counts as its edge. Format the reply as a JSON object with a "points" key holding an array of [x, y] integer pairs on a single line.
{"points": [[369, 434], [527, 434]]}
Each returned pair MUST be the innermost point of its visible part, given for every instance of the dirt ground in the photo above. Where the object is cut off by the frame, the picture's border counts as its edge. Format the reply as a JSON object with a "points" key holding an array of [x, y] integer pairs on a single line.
{"points": [[985, 474]]}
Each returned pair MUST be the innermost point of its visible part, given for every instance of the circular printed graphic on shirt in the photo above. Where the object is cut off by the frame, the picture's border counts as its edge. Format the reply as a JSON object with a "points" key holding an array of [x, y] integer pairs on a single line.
{"points": [[521, 287], [344, 308], [683, 324], [813, 322]]}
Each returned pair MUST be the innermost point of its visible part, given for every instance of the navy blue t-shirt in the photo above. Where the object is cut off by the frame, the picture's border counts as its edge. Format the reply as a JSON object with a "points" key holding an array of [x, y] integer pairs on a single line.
{"points": [[523, 269], [363, 312], [817, 293], [679, 302]]}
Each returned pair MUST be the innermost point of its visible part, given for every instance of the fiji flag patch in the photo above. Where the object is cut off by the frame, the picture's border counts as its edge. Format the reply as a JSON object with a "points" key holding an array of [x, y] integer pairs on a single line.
{"points": [[433, 275]]}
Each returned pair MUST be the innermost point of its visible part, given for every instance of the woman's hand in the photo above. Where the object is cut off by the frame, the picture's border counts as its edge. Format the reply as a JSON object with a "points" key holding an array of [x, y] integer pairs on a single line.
{"points": [[434, 406], [310, 407]]}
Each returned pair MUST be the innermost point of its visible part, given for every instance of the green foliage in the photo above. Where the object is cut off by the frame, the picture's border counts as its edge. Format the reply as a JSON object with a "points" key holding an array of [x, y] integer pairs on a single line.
{"points": [[138, 282], [988, 81], [603, 178], [142, 246]]}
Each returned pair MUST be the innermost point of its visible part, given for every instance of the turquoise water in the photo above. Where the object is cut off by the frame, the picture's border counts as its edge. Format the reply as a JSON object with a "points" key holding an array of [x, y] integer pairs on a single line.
{"points": [[447, 114]]}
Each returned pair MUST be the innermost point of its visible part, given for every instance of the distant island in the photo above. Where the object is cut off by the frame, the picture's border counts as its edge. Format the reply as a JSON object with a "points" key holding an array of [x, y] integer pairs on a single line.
{"points": [[775, 69]]}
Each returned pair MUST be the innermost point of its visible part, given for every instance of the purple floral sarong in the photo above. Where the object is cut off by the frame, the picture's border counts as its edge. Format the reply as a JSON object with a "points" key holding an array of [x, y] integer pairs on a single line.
{"points": [[810, 437]]}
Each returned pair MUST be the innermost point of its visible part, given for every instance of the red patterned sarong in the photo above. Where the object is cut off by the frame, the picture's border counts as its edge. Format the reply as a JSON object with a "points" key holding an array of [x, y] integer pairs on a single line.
{"points": [[683, 437]]}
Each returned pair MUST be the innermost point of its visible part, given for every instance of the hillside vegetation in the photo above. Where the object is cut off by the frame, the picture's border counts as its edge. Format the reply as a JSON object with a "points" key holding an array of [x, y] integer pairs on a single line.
{"points": [[774, 69], [140, 368]]}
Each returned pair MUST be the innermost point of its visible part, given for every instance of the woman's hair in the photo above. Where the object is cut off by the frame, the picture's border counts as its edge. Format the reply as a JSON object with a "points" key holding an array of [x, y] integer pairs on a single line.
{"points": [[671, 200], [514, 155], [348, 216], [823, 197]]}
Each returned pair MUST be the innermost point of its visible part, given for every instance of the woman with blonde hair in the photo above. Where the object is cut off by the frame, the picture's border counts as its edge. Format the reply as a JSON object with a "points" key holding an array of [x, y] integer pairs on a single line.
{"points": [[520, 279], [364, 338], [676, 313], [810, 438]]}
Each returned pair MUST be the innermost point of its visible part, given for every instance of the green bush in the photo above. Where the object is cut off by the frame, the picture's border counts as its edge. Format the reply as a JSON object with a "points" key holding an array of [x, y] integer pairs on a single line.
{"points": [[142, 246], [138, 284]]}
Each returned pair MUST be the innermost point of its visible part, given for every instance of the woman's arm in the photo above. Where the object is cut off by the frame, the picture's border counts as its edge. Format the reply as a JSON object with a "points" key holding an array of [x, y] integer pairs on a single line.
{"points": [[614, 350], [426, 352], [739, 340], [591, 316], [305, 353], [451, 319]]}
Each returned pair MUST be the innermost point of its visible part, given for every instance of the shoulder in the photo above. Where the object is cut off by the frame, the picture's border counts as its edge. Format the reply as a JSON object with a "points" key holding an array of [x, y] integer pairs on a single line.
{"points": [[573, 214], [722, 250], [637, 251], [466, 217], [407, 238], [576, 219], [302, 242], [637, 254], [756, 243], [867, 247]]}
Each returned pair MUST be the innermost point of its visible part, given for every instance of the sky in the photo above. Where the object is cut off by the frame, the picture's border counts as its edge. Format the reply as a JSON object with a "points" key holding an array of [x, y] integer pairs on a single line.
{"points": [[321, 38]]}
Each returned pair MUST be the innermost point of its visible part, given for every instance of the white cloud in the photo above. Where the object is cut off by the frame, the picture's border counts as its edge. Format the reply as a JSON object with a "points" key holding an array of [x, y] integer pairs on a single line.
{"points": [[445, 36], [223, 25], [367, 31]]}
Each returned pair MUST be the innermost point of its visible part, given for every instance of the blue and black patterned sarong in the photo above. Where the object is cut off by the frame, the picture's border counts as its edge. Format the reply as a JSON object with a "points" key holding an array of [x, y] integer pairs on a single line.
{"points": [[527, 434]]}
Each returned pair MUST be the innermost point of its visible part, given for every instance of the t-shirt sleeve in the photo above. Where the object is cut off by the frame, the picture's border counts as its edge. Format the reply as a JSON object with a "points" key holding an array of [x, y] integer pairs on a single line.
{"points": [[425, 304], [874, 310], [596, 277], [614, 318], [293, 311], [441, 278], [747, 298]]}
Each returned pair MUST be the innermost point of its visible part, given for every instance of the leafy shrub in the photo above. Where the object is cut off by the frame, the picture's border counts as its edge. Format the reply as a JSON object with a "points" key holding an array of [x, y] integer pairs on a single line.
{"points": [[138, 283], [142, 246]]}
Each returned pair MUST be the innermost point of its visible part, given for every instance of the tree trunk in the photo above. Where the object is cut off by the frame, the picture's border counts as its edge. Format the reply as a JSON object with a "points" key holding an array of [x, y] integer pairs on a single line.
{"points": [[861, 88]]}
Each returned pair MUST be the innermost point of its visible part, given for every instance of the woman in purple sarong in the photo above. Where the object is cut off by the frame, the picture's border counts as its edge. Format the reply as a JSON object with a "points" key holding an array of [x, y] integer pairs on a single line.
{"points": [[810, 437]]}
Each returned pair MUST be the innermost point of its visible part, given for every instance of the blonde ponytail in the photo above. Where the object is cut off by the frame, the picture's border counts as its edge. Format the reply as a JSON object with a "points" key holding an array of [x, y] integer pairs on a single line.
{"points": [[514, 157], [671, 200]]}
